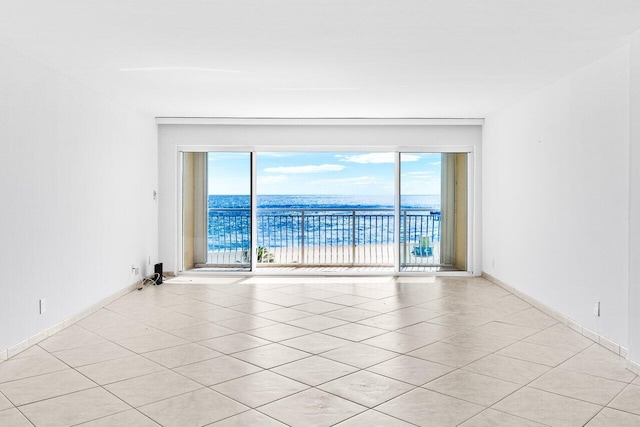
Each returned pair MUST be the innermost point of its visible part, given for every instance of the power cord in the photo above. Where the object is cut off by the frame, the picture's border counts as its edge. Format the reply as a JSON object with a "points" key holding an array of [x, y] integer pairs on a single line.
{"points": [[149, 280]]}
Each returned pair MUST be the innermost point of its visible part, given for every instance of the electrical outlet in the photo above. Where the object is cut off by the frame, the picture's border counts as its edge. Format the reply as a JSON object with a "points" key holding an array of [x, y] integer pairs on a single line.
{"points": [[43, 305], [596, 309]]}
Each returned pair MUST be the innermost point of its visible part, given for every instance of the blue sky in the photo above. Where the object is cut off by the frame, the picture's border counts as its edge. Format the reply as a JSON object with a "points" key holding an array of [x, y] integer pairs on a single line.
{"points": [[333, 173]]}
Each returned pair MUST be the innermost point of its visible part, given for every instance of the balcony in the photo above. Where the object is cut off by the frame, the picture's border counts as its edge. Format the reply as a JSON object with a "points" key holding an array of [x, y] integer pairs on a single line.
{"points": [[348, 238]]}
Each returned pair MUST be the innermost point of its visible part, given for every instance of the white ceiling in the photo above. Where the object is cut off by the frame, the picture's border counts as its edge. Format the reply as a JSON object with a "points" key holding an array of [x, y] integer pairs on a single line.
{"points": [[317, 58]]}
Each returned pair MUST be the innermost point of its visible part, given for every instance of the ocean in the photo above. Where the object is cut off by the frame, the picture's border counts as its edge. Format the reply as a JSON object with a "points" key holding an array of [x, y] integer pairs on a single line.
{"points": [[431, 202], [327, 220]]}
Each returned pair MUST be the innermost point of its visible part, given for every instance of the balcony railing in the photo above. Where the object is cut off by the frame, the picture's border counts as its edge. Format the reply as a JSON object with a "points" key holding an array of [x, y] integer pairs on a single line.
{"points": [[323, 237]]}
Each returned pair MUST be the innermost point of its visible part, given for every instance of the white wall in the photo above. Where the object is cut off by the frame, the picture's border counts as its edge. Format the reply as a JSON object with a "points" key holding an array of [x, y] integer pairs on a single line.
{"points": [[295, 137], [634, 205], [555, 200], [76, 208]]}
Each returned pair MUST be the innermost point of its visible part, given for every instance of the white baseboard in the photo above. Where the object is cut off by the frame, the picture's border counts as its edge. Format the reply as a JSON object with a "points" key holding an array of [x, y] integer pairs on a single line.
{"points": [[593, 336], [23, 345]]}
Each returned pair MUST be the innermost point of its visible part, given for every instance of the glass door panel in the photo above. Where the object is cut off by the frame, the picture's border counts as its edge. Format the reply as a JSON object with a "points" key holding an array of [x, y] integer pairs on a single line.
{"points": [[229, 210], [433, 211]]}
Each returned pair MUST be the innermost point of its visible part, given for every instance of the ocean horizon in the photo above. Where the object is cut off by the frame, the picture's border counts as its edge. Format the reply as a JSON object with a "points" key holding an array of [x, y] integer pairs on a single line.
{"points": [[279, 201]]}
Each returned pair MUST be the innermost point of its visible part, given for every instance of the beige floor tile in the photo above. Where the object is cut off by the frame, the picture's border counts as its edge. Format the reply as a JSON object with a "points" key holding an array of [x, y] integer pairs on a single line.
{"points": [[448, 354], [217, 314], [506, 330], [72, 337], [462, 320], [411, 370], [285, 314], [387, 321], [317, 323], [359, 355], [446, 305], [233, 343], [536, 353], [318, 307], [24, 367], [41, 387], [548, 408], [366, 388], [202, 332], [427, 408], [255, 307], [507, 368], [610, 417], [120, 369], [271, 355], [416, 314], [260, 388], [355, 332], [279, 332], [131, 418], [249, 418], [114, 327], [125, 329], [474, 388], [181, 355], [579, 386], [152, 387], [74, 408], [101, 319], [531, 318], [312, 408], [561, 337], [430, 330], [316, 343], [597, 360], [92, 354], [13, 418], [167, 320], [246, 323], [34, 350], [352, 314], [229, 300], [504, 306], [380, 306], [195, 408], [192, 307], [373, 418], [401, 343], [314, 370], [348, 300], [5, 403], [478, 341], [217, 370], [493, 418], [628, 400], [152, 342]]}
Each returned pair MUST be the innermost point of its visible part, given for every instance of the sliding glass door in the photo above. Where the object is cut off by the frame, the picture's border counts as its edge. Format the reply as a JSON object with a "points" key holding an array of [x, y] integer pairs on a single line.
{"points": [[290, 210], [216, 214], [433, 211]]}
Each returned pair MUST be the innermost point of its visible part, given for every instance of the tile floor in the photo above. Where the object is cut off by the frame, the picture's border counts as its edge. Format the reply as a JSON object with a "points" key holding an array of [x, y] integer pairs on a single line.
{"points": [[269, 351]]}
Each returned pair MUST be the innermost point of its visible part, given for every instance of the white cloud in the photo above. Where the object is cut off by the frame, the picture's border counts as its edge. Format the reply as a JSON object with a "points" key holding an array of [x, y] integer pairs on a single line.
{"points": [[357, 181], [377, 158], [305, 169], [273, 179], [420, 173]]}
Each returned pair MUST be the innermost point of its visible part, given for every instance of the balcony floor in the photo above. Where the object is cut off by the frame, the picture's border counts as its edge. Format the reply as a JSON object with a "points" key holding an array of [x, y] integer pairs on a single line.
{"points": [[319, 351]]}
